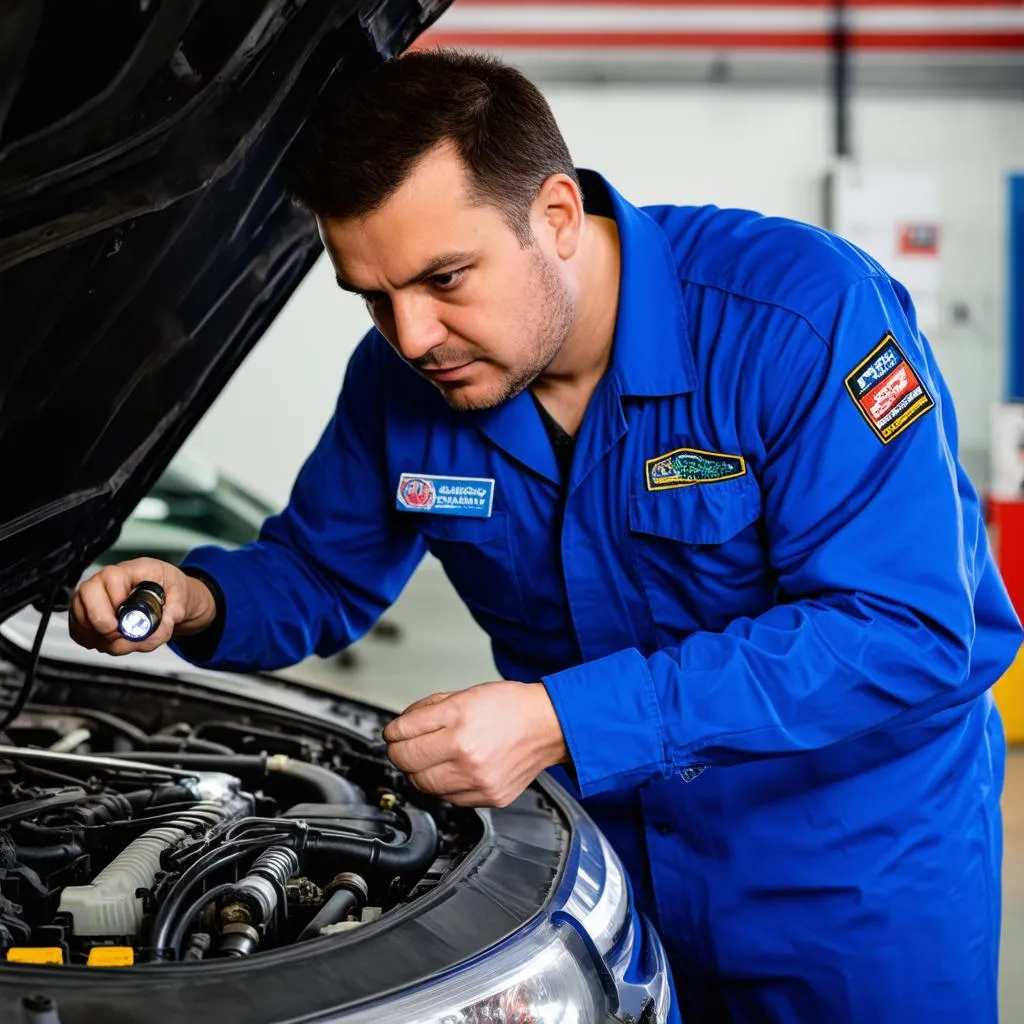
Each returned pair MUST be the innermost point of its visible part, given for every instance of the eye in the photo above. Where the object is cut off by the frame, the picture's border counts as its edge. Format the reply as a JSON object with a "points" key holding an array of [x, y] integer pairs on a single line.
{"points": [[448, 281]]}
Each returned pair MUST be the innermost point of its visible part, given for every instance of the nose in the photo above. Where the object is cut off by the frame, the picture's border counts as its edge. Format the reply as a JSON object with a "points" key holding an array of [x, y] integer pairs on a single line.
{"points": [[417, 329]]}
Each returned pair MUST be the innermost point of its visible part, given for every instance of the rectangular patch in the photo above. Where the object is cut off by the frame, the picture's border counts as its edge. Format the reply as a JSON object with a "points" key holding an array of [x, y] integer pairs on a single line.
{"points": [[887, 391], [686, 466], [445, 495]]}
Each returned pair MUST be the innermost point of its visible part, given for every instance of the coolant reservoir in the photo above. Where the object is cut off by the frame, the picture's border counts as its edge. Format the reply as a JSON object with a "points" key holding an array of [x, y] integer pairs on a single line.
{"points": [[108, 904]]}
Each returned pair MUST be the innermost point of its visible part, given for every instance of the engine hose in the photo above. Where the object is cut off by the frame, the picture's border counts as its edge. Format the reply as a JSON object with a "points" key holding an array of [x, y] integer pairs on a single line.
{"points": [[101, 809], [332, 787], [198, 813], [253, 768], [110, 721], [48, 858], [91, 762], [201, 814], [188, 744], [262, 890], [30, 808], [194, 908], [413, 856], [350, 894], [166, 796], [197, 872], [336, 909]]}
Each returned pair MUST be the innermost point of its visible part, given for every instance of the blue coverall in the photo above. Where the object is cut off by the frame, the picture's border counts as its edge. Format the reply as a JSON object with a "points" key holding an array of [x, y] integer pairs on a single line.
{"points": [[766, 615]]}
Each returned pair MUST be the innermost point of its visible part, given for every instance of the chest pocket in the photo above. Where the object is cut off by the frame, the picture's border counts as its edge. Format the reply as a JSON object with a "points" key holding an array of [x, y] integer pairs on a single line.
{"points": [[701, 554], [478, 558]]}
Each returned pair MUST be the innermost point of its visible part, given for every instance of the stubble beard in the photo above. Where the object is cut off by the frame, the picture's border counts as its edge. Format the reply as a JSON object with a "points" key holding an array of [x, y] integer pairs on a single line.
{"points": [[549, 332]]}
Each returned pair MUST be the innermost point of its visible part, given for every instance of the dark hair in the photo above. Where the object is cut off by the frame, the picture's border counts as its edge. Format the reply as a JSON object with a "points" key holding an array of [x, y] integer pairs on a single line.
{"points": [[364, 136]]}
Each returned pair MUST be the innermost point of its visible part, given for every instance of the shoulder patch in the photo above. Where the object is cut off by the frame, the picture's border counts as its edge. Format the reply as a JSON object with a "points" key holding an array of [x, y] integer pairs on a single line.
{"points": [[887, 391], [686, 466]]}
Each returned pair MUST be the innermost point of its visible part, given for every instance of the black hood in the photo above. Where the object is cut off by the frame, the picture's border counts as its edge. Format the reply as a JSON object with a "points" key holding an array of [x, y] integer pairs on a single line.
{"points": [[146, 241]]}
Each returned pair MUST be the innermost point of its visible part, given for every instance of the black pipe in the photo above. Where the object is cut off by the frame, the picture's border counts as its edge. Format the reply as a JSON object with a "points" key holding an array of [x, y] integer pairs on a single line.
{"points": [[250, 768], [188, 744], [234, 764], [30, 808], [336, 909], [212, 861], [332, 787], [49, 858], [133, 732], [411, 857], [216, 893], [841, 81], [413, 854]]}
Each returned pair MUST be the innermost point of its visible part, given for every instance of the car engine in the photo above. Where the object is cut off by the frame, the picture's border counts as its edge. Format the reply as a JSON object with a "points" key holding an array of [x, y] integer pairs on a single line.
{"points": [[125, 839]]}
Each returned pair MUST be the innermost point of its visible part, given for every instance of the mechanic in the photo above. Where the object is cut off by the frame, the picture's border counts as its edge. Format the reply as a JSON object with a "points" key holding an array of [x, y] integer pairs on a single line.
{"points": [[695, 473]]}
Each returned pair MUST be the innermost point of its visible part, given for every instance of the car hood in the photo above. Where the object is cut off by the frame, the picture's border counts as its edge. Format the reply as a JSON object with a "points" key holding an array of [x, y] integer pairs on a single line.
{"points": [[145, 238]]}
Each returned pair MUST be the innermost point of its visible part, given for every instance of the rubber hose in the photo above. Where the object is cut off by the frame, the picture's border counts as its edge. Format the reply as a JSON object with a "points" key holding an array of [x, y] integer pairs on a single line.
{"points": [[331, 787], [48, 858], [188, 744], [212, 861], [336, 909], [40, 805], [411, 857], [192, 910]]}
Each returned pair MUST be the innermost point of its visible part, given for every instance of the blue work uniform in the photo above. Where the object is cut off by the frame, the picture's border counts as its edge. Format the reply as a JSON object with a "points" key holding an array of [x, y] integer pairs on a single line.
{"points": [[763, 605]]}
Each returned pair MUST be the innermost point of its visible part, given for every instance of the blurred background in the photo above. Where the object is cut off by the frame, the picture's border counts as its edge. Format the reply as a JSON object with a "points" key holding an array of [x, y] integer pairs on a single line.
{"points": [[900, 126]]}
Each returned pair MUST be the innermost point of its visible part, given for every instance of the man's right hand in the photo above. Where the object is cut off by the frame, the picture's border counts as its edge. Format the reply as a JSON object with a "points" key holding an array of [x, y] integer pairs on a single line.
{"points": [[189, 607]]}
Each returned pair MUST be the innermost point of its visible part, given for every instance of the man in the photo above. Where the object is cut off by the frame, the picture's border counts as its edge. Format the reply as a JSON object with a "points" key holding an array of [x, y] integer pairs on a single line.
{"points": [[695, 473]]}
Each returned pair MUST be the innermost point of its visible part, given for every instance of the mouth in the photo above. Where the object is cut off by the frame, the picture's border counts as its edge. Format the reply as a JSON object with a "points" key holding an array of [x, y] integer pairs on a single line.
{"points": [[447, 374]]}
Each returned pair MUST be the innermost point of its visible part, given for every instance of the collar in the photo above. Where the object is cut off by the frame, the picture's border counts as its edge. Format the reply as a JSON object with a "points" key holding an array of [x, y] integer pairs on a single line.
{"points": [[651, 352]]}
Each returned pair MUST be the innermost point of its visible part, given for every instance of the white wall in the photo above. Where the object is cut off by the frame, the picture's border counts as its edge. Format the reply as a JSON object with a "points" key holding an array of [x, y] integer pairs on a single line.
{"points": [[763, 150]]}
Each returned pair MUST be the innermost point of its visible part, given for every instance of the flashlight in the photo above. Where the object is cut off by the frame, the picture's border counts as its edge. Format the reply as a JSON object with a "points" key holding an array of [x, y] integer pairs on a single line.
{"points": [[140, 614]]}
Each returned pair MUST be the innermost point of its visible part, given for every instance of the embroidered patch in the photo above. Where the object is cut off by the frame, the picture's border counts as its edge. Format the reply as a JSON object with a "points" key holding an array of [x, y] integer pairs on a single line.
{"points": [[445, 495], [686, 466], [887, 391]]}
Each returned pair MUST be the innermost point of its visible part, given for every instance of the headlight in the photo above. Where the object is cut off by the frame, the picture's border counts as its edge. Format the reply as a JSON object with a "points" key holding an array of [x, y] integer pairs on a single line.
{"points": [[544, 975]]}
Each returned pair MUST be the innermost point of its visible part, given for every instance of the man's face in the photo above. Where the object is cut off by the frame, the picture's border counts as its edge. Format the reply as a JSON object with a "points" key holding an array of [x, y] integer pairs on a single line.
{"points": [[452, 288]]}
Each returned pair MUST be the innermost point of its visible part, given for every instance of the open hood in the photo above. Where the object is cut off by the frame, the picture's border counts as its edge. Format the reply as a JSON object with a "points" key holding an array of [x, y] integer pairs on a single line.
{"points": [[145, 239]]}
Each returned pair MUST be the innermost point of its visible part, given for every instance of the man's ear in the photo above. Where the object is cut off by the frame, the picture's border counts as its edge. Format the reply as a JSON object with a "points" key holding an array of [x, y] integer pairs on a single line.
{"points": [[557, 214]]}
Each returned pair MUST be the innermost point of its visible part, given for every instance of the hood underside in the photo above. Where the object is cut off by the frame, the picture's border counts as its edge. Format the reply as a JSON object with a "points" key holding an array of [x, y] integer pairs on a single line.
{"points": [[146, 241]]}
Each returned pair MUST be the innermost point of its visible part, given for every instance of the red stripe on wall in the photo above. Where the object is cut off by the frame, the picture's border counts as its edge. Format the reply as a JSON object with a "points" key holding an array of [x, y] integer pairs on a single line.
{"points": [[728, 40], [968, 5]]}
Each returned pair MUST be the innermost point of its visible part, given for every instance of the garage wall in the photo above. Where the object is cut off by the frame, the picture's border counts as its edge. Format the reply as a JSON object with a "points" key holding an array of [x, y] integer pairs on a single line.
{"points": [[659, 143]]}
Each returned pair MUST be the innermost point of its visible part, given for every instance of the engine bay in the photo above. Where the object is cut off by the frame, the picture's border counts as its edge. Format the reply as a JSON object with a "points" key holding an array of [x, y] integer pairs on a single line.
{"points": [[182, 831]]}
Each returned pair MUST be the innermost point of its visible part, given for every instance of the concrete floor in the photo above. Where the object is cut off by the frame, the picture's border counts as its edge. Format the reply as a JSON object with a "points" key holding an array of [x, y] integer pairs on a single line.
{"points": [[442, 648]]}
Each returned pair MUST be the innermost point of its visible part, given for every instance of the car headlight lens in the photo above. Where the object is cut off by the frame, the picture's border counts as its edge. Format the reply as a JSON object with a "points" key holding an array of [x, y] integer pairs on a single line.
{"points": [[546, 974], [545, 978]]}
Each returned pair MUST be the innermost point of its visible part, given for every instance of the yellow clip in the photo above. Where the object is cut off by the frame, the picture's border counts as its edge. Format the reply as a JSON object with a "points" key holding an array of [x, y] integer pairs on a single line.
{"points": [[35, 955], [111, 956]]}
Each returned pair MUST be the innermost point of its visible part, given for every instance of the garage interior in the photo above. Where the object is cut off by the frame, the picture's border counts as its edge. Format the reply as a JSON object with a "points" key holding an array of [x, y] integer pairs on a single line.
{"points": [[917, 116], [897, 125]]}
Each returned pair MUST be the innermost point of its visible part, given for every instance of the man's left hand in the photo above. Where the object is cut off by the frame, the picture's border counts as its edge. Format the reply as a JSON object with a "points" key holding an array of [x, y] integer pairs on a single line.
{"points": [[479, 747]]}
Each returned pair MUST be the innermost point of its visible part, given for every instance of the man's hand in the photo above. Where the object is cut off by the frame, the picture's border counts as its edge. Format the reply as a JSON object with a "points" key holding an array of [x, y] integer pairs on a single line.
{"points": [[189, 606], [479, 747]]}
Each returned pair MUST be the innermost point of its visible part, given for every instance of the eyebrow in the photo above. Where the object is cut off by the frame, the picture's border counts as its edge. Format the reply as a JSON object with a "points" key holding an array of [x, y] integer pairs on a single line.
{"points": [[436, 266]]}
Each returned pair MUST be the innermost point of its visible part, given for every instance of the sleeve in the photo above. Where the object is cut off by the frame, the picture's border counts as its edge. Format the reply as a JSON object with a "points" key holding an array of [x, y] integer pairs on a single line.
{"points": [[877, 544], [324, 570]]}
